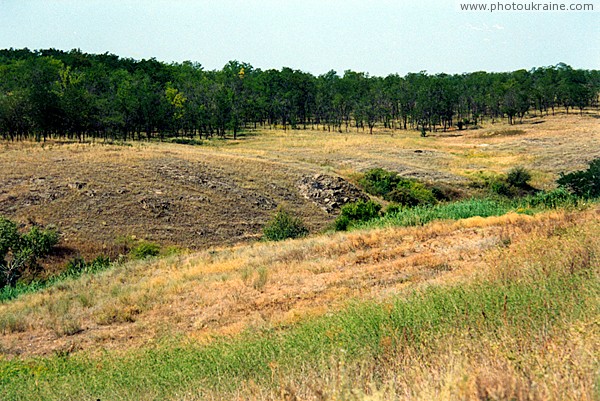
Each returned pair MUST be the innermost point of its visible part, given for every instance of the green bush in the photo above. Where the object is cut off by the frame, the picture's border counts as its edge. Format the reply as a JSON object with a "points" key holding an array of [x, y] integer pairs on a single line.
{"points": [[411, 193], [144, 250], [445, 192], [583, 183], [511, 185], [19, 252], [360, 211], [518, 177], [75, 266], [391, 187], [9, 236], [392, 209], [500, 186], [379, 182], [283, 226], [78, 266]]}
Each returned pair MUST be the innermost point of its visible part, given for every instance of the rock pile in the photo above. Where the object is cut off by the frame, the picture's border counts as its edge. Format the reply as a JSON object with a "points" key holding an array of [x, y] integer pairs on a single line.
{"points": [[329, 192]]}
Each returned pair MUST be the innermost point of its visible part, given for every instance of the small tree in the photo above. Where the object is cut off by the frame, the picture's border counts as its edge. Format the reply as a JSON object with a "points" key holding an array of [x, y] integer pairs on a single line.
{"points": [[21, 251], [283, 226], [518, 177]]}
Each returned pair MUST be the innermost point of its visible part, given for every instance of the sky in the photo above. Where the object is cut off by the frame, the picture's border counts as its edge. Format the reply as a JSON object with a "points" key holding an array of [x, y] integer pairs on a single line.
{"points": [[379, 37]]}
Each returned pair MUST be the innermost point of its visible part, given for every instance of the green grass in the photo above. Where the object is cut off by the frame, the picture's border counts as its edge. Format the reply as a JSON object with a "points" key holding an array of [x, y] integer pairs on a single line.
{"points": [[75, 269], [483, 207], [526, 309], [420, 215]]}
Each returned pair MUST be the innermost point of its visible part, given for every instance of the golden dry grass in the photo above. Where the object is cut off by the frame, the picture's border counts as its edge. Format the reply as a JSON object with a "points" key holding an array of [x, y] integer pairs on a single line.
{"points": [[225, 291]]}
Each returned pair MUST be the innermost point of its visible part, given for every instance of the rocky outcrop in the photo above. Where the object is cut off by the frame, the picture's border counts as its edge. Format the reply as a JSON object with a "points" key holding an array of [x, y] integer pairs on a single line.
{"points": [[329, 192]]}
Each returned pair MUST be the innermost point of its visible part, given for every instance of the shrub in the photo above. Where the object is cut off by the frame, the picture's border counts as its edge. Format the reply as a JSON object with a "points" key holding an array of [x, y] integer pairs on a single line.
{"points": [[518, 177], [394, 188], [283, 226], [356, 212], [584, 183], [75, 266], [144, 250], [19, 252], [9, 236], [511, 185], [411, 193], [379, 182], [500, 186], [446, 192], [78, 266], [392, 209]]}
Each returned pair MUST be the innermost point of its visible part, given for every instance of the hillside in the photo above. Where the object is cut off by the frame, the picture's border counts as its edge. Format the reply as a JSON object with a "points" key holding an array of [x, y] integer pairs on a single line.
{"points": [[237, 323], [496, 308], [222, 193]]}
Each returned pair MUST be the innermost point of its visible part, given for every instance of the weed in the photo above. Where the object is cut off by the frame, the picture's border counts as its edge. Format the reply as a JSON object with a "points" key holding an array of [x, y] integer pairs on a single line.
{"points": [[67, 326], [261, 280], [420, 215], [12, 323]]}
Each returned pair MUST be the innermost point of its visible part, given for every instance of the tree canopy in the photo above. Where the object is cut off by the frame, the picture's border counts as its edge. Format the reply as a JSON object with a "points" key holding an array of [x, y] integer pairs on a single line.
{"points": [[53, 93]]}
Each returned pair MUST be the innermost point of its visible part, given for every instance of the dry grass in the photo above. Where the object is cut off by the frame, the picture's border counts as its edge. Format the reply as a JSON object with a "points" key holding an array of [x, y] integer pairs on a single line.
{"points": [[223, 194], [557, 361], [226, 291]]}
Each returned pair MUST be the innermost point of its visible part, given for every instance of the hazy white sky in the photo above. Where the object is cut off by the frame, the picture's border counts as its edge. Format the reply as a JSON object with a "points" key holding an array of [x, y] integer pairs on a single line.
{"points": [[375, 36]]}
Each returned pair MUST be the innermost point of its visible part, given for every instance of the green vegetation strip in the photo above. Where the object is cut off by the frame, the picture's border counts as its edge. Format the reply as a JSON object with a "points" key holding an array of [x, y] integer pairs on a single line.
{"points": [[75, 269], [525, 309], [420, 215]]}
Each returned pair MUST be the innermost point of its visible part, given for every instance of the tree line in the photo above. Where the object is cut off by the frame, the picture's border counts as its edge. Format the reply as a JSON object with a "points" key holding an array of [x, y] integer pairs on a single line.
{"points": [[57, 94]]}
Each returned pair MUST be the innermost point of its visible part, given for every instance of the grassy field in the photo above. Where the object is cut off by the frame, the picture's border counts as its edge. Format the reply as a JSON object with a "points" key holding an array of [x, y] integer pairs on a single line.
{"points": [[504, 306]]}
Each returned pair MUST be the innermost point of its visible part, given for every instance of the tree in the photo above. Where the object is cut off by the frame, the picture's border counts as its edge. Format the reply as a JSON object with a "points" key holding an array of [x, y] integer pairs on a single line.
{"points": [[53, 93]]}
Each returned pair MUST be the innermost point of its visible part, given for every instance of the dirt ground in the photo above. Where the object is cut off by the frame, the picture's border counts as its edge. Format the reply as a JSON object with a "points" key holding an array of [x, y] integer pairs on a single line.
{"points": [[169, 194]]}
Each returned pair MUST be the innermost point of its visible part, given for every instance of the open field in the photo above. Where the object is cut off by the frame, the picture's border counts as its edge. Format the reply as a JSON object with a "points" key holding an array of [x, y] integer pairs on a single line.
{"points": [[515, 316], [224, 192], [496, 308]]}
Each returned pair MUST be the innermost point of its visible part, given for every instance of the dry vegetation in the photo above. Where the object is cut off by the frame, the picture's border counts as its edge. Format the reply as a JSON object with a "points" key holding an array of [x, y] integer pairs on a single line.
{"points": [[219, 195], [223, 292], [222, 194], [190, 301]]}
